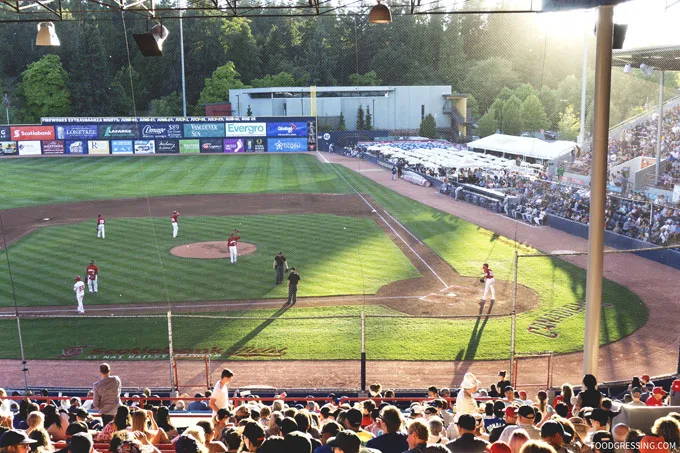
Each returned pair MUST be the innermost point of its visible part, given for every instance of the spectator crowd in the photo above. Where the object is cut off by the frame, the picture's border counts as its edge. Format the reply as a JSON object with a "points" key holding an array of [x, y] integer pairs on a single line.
{"points": [[497, 419]]}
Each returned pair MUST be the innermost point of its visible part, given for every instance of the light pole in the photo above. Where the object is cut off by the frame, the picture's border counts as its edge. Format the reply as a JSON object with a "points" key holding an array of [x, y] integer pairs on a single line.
{"points": [[373, 116], [238, 105], [181, 48]]}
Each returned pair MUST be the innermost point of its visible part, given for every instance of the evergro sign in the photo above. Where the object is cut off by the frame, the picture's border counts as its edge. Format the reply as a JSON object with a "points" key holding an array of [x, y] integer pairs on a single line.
{"points": [[245, 130]]}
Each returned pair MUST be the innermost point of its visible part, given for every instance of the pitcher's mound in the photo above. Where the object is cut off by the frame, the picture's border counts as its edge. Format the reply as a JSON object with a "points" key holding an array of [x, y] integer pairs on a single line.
{"points": [[210, 250]]}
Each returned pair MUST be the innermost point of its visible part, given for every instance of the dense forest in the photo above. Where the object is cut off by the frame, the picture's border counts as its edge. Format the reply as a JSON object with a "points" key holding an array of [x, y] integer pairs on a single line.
{"points": [[519, 76]]}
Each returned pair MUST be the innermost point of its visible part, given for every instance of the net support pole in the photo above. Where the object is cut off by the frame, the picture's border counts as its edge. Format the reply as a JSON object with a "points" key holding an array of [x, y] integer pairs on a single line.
{"points": [[171, 352], [513, 319], [598, 189], [659, 128], [363, 351]]}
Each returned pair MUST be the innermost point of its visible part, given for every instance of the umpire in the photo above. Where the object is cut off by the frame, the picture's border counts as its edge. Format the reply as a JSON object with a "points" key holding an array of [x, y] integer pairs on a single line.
{"points": [[279, 264], [293, 279]]}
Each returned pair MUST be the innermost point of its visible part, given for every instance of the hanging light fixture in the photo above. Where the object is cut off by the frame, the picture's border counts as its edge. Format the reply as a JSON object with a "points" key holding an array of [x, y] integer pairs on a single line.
{"points": [[380, 14], [47, 36]]}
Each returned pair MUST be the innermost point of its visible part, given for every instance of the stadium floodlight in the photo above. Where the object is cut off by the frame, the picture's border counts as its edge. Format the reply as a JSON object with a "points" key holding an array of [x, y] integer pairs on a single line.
{"points": [[151, 42], [646, 70], [47, 35], [380, 14], [627, 68]]}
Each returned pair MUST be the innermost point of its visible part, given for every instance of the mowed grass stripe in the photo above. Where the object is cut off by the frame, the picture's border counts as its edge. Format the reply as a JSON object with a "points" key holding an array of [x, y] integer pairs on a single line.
{"points": [[81, 179], [129, 260]]}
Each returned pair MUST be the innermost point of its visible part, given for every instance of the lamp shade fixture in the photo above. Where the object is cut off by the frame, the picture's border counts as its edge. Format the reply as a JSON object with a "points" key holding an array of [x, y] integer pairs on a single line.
{"points": [[47, 35], [380, 14]]}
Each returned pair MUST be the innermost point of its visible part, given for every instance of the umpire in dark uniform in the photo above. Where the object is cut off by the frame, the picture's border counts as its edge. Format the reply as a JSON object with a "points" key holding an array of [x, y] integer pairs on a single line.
{"points": [[279, 264], [293, 279]]}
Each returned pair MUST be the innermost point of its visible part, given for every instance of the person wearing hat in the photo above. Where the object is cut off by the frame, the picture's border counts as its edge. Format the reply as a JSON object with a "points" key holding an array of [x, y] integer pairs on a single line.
{"points": [[293, 280], [280, 264], [646, 392], [393, 440], [81, 442], [657, 398], [174, 219], [525, 420], [465, 402], [603, 442], [510, 414], [509, 394], [353, 418], [79, 289], [675, 393], [15, 441], [553, 433], [635, 395], [329, 430], [253, 436], [467, 442]]}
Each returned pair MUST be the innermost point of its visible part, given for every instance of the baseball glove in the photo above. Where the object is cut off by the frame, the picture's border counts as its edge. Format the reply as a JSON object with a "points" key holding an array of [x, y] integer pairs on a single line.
{"points": [[287, 270], [481, 280]]}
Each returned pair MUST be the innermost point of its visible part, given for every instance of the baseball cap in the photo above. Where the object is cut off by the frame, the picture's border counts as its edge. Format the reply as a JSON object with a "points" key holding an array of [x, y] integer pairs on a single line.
{"points": [[223, 413], [76, 427], [659, 391], [636, 390], [604, 441], [511, 411], [552, 427], [430, 410], [508, 389], [645, 377], [499, 447], [82, 413], [354, 417], [14, 437], [254, 432], [466, 421], [526, 411], [81, 442], [345, 440], [599, 415], [676, 385]]}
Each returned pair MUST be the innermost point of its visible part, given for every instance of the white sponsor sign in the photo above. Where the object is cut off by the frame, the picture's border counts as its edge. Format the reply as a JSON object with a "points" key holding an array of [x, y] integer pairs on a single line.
{"points": [[29, 148], [245, 129], [676, 193]]}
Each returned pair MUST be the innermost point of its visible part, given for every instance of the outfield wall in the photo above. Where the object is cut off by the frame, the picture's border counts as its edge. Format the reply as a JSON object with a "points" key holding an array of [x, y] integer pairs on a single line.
{"points": [[191, 135], [668, 257]]}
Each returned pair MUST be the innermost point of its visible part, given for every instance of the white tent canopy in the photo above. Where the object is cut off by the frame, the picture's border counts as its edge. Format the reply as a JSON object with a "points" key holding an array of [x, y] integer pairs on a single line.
{"points": [[523, 146]]}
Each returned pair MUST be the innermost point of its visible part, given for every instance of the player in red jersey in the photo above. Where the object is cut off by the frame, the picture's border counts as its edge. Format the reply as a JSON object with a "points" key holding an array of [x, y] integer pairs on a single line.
{"points": [[100, 227], [175, 223], [232, 242], [92, 273], [489, 283]]}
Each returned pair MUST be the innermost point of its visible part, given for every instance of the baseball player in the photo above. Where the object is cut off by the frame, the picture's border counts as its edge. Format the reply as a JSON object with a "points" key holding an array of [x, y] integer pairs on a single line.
{"points": [[175, 223], [232, 242], [79, 289], [489, 283], [279, 264], [293, 279], [92, 272], [100, 227]]}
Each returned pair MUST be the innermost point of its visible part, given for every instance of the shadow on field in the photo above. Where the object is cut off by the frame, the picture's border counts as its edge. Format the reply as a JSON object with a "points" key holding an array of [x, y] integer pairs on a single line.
{"points": [[464, 357], [255, 332]]}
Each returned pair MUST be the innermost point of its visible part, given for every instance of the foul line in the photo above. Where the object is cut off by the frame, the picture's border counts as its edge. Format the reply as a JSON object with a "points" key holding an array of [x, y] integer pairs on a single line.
{"points": [[387, 223]]}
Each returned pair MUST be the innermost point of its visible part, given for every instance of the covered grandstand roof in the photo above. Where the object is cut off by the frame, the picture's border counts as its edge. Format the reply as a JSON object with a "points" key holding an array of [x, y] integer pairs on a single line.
{"points": [[664, 58], [523, 146]]}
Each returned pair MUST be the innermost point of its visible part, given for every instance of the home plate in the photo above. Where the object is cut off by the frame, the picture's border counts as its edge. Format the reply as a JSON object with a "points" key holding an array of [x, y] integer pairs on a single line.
{"points": [[451, 294]]}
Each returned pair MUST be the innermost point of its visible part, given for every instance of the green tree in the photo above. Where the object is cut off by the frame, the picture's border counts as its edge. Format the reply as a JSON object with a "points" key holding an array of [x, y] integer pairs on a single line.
{"points": [[533, 114], [249, 112], [44, 89], [360, 119], [486, 78], [569, 93], [217, 87], [569, 124], [170, 105], [428, 127], [342, 126], [551, 105], [524, 91], [368, 79], [488, 124], [512, 116], [282, 79], [369, 119]]}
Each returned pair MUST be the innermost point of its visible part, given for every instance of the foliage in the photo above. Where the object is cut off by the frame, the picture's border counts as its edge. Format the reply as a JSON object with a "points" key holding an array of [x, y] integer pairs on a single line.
{"points": [[428, 127], [342, 126], [569, 124], [369, 119], [170, 105], [368, 79], [249, 111], [487, 78], [361, 124], [44, 89], [511, 123], [217, 87], [488, 124], [282, 79], [533, 114]]}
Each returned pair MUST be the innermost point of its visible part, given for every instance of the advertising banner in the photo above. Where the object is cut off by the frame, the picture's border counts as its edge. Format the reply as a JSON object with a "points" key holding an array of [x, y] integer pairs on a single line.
{"points": [[167, 146], [189, 146], [120, 130], [98, 147], [32, 133], [53, 147], [76, 147], [676, 193], [9, 149], [287, 129], [29, 148], [233, 145], [245, 130], [161, 130], [282, 145], [76, 131], [258, 144], [212, 145], [121, 146], [204, 130], [4, 133], [145, 147]]}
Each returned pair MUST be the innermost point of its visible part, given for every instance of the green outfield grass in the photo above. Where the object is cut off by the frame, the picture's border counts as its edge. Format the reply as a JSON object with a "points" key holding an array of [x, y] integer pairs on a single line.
{"points": [[334, 255], [462, 244], [42, 181]]}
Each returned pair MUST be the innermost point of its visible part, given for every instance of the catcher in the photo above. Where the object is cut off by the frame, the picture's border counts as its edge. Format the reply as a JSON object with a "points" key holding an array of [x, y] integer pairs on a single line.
{"points": [[489, 283]]}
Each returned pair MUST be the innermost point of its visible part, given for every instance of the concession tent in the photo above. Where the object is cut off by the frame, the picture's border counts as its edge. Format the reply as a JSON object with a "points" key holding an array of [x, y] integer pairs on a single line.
{"points": [[525, 148]]}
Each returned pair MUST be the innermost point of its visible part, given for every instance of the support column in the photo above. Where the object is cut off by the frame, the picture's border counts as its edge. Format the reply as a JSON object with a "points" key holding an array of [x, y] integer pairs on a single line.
{"points": [[598, 190], [659, 130]]}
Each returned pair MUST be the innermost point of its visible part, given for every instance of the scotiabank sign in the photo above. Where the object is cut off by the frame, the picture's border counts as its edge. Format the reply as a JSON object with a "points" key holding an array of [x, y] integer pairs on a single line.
{"points": [[32, 132]]}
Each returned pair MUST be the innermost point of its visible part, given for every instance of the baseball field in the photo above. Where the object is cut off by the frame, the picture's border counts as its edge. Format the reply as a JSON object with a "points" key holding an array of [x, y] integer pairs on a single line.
{"points": [[359, 247]]}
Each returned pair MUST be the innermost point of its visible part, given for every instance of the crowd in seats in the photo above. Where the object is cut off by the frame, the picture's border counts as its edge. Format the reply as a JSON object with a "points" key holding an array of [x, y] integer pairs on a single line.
{"points": [[493, 419]]}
